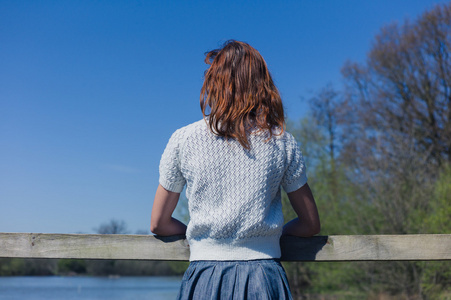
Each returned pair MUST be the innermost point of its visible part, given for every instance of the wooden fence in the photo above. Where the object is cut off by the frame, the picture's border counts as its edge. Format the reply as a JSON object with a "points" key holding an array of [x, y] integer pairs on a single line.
{"points": [[147, 247]]}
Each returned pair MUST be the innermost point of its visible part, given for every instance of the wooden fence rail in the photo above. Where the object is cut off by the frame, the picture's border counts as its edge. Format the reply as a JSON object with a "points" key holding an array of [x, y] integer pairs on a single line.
{"points": [[146, 247]]}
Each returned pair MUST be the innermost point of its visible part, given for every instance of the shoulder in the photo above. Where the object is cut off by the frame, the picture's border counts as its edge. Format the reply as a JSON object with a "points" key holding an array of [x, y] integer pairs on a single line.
{"points": [[288, 144], [188, 129], [285, 137], [201, 124], [183, 133]]}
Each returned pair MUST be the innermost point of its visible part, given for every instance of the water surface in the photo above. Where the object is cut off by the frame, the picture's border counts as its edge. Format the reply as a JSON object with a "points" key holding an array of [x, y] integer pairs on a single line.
{"points": [[88, 288]]}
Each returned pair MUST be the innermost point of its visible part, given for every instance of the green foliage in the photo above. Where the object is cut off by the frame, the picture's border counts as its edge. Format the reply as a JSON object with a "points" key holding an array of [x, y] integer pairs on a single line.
{"points": [[436, 276], [71, 266], [178, 267], [142, 268], [348, 206], [341, 212], [12, 266], [439, 218], [29, 266], [436, 279]]}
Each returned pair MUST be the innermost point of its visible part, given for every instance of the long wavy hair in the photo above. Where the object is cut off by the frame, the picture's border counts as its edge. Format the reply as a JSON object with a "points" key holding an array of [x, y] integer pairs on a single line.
{"points": [[239, 95]]}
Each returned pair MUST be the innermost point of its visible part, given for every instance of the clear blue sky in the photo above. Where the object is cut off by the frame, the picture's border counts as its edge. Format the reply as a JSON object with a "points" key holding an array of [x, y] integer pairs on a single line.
{"points": [[90, 91]]}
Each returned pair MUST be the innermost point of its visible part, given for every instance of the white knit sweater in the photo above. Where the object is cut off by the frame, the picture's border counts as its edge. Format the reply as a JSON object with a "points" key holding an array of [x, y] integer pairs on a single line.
{"points": [[233, 194]]}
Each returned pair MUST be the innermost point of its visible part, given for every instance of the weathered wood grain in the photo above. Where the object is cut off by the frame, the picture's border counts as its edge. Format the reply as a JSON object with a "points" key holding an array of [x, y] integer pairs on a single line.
{"points": [[93, 246], [145, 247], [367, 247]]}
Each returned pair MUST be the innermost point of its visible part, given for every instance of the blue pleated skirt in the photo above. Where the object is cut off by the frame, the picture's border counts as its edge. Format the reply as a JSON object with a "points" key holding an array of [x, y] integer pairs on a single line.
{"points": [[253, 279]]}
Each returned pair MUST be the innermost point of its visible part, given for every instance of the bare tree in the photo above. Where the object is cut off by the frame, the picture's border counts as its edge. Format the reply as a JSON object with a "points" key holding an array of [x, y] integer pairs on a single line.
{"points": [[113, 227], [404, 89]]}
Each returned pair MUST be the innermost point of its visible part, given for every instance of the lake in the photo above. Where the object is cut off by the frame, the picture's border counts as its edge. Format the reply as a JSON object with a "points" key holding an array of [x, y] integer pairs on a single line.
{"points": [[55, 287]]}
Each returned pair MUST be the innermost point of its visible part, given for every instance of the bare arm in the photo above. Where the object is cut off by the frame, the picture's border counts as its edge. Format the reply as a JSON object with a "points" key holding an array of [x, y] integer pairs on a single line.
{"points": [[307, 223], [161, 220]]}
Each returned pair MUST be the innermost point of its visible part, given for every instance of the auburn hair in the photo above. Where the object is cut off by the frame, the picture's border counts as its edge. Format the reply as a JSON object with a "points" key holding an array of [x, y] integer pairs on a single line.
{"points": [[239, 95]]}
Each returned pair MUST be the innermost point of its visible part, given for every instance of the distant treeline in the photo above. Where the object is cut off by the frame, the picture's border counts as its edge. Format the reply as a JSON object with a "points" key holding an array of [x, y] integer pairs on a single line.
{"points": [[71, 267]]}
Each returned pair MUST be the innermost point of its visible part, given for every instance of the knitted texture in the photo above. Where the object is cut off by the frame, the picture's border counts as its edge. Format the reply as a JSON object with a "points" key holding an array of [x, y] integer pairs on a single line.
{"points": [[234, 196]]}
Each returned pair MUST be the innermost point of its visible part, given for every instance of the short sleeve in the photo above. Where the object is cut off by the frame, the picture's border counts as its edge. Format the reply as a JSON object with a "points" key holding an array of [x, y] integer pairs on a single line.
{"points": [[295, 174], [171, 177]]}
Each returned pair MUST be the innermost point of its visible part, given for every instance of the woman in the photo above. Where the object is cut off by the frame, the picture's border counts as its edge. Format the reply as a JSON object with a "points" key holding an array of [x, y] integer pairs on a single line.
{"points": [[233, 163]]}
